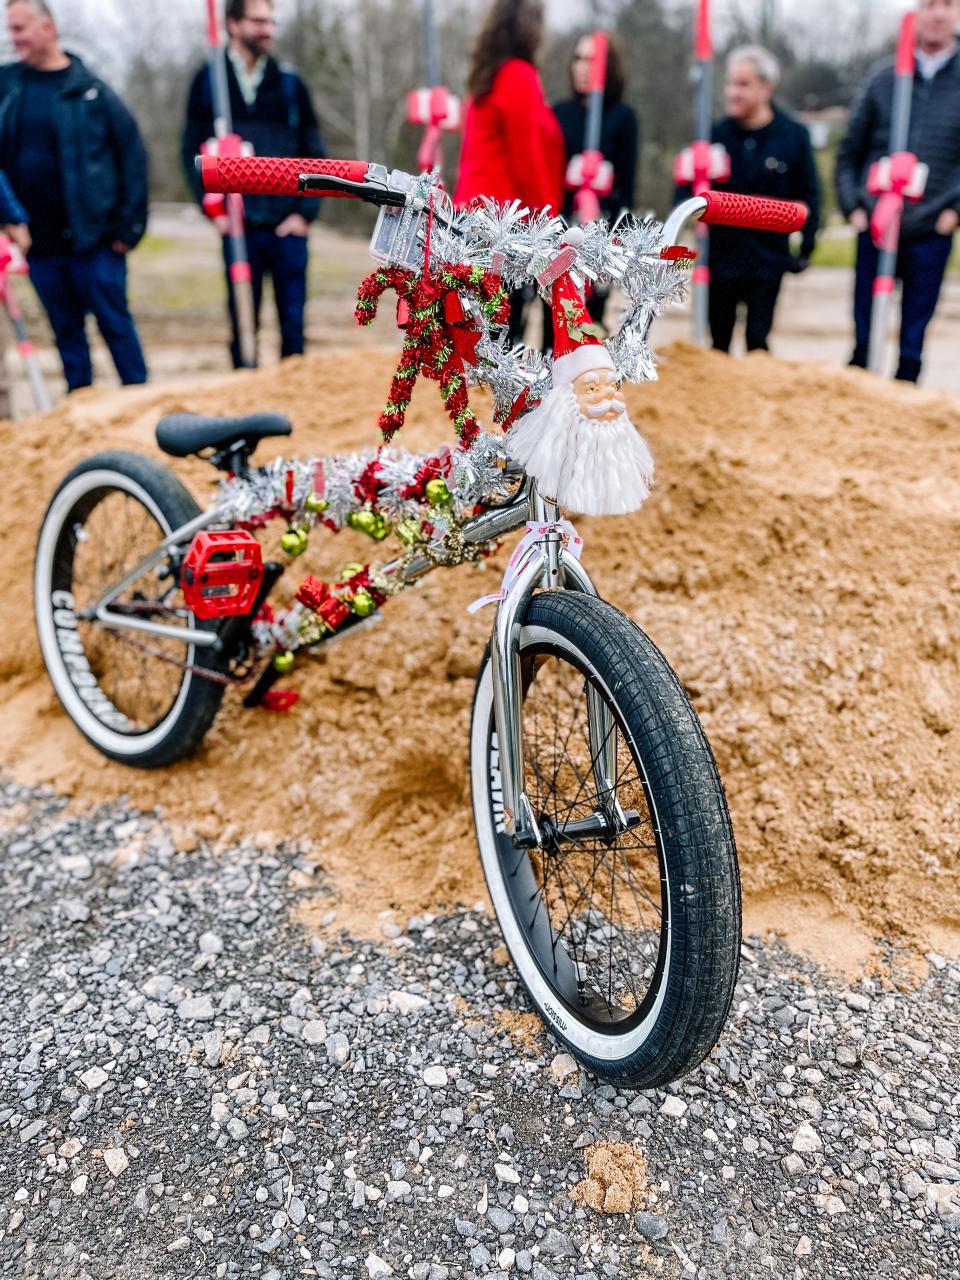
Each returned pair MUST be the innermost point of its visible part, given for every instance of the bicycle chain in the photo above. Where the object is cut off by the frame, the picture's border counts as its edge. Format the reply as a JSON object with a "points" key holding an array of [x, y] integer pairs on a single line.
{"points": [[215, 677]]}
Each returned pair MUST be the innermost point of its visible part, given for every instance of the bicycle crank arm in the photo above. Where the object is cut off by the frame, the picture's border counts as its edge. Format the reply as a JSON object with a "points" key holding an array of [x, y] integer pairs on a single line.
{"points": [[127, 622]]}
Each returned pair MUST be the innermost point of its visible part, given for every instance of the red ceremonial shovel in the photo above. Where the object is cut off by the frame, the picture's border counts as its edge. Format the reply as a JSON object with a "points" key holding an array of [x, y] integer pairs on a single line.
{"points": [[226, 143], [895, 179], [12, 262], [702, 164]]}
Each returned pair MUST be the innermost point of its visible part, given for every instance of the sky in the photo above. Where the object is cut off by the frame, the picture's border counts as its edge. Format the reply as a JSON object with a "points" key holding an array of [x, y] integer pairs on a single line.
{"points": [[107, 15]]}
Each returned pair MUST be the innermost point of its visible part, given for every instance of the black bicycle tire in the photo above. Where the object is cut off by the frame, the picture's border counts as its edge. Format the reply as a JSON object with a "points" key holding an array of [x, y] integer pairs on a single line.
{"points": [[698, 846], [204, 697]]}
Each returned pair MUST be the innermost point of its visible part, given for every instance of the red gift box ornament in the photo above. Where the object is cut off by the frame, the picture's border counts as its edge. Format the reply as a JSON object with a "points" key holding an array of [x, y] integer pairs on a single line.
{"points": [[334, 613], [313, 593]]}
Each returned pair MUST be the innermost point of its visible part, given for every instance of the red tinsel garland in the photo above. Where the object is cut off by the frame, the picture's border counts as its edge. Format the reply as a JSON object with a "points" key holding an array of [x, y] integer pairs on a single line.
{"points": [[441, 337]]}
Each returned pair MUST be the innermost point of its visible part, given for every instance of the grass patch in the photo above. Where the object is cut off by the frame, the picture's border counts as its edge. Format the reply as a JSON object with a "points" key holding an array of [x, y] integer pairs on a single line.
{"points": [[840, 251]]}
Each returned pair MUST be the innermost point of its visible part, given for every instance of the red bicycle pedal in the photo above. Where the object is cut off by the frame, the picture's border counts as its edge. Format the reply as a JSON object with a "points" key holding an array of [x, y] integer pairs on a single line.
{"points": [[222, 573]]}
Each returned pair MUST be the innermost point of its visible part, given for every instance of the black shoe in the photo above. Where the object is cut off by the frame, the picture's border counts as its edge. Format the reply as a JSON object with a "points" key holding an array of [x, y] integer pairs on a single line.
{"points": [[909, 370], [857, 361]]}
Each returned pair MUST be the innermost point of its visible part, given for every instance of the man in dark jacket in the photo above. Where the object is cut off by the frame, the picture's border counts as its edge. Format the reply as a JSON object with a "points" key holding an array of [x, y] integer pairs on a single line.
{"points": [[76, 161], [927, 233], [272, 110], [770, 155]]}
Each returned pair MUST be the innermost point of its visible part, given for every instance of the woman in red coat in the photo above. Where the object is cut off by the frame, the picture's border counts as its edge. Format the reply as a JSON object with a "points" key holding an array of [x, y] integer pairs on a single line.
{"points": [[513, 147]]}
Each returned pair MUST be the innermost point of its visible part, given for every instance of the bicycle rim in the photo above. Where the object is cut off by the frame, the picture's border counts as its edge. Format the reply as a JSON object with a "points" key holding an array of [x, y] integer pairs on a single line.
{"points": [[133, 683], [591, 910]]}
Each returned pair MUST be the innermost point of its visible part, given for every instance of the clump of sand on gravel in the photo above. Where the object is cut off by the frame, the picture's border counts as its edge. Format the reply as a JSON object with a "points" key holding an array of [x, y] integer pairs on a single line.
{"points": [[616, 1180], [797, 564]]}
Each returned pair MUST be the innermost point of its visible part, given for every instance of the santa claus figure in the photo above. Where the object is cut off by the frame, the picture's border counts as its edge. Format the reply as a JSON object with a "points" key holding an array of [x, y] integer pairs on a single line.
{"points": [[578, 443]]}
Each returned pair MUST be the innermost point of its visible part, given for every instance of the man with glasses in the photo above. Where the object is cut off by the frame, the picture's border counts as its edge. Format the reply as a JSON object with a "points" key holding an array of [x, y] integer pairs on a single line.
{"points": [[926, 238], [272, 111]]}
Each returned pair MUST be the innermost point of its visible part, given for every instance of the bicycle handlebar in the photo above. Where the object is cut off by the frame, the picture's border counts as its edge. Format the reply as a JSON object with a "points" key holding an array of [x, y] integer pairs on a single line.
{"points": [[358, 180], [275, 175], [760, 213]]}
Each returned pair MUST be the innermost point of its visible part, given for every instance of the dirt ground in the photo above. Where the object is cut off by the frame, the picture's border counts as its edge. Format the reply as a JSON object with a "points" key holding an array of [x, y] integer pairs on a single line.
{"points": [[797, 564], [177, 296]]}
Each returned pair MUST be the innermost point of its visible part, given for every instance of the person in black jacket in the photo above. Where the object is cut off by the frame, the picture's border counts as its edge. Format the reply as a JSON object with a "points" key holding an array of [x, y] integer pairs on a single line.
{"points": [[76, 161], [770, 155], [926, 237], [272, 111], [619, 139], [13, 224]]}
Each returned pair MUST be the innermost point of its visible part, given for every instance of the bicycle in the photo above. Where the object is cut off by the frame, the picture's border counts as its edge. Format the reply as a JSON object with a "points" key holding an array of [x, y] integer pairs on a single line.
{"points": [[600, 816]]}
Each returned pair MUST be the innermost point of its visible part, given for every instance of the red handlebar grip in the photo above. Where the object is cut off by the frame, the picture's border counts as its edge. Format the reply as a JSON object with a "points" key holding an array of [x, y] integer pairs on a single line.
{"points": [[271, 175], [727, 209]]}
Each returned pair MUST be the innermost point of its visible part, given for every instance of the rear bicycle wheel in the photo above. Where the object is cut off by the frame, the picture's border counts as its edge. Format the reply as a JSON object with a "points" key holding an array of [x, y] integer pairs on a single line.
{"points": [[625, 932], [133, 695]]}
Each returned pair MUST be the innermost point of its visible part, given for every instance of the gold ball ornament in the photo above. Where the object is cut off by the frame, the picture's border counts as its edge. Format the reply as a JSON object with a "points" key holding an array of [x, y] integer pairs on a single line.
{"points": [[438, 492], [363, 604], [316, 504], [294, 542], [283, 662]]}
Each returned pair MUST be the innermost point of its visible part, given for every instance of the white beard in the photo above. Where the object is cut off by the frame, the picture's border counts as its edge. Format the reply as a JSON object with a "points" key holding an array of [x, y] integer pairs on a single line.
{"points": [[590, 467]]}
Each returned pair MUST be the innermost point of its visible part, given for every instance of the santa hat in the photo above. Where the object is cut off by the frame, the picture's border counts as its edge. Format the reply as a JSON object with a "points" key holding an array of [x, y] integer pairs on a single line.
{"points": [[574, 350]]}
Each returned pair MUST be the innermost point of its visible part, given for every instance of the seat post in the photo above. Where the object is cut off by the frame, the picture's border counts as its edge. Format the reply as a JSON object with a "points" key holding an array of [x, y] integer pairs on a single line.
{"points": [[235, 458]]}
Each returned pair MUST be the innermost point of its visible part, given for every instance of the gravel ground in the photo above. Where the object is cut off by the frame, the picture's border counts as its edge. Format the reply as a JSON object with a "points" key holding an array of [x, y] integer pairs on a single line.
{"points": [[190, 1086]]}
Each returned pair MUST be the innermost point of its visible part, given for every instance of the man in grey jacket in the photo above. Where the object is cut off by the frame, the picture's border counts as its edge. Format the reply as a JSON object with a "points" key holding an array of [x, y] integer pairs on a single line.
{"points": [[928, 226]]}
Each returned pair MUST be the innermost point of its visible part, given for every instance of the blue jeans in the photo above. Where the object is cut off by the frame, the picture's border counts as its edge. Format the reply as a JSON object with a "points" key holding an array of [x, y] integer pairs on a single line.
{"points": [[75, 286], [284, 258], [921, 266]]}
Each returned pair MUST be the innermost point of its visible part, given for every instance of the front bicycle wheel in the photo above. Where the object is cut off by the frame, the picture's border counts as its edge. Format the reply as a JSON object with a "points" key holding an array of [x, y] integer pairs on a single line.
{"points": [[624, 924], [136, 696]]}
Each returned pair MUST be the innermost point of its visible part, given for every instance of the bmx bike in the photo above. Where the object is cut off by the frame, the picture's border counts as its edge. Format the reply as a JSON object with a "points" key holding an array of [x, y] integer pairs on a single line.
{"points": [[599, 812]]}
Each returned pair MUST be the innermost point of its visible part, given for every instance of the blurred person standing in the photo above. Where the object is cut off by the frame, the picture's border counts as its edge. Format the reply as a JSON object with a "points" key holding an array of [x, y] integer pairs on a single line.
{"points": [[272, 110], [512, 143], [619, 138], [13, 224], [926, 237], [770, 155], [76, 162]]}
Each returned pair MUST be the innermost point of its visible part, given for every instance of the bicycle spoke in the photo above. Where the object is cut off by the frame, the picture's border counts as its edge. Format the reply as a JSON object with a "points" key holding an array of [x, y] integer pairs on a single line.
{"points": [[140, 680], [600, 890]]}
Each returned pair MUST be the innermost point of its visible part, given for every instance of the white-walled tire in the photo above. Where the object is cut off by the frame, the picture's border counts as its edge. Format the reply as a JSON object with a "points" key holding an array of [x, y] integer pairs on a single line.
{"points": [[130, 703], [628, 946]]}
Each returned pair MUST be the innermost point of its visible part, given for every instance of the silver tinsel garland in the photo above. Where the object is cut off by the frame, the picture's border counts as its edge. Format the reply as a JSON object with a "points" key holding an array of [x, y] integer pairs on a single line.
{"points": [[312, 490], [521, 247]]}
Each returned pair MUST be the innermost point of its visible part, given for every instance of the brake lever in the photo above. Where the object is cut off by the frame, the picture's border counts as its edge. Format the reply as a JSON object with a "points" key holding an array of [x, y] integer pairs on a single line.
{"points": [[358, 190]]}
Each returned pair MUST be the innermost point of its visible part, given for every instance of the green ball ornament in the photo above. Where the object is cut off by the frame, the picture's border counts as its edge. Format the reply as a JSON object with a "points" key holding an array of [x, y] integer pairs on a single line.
{"points": [[283, 662], [409, 531], [380, 528], [364, 521], [438, 492], [350, 571], [363, 604], [316, 504], [294, 542]]}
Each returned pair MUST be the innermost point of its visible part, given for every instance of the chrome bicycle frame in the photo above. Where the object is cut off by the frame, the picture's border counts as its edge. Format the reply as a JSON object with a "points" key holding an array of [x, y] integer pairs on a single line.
{"points": [[548, 566]]}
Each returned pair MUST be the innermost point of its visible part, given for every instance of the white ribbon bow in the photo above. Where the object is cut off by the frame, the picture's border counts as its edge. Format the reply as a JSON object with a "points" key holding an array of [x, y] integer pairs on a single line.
{"points": [[536, 533]]}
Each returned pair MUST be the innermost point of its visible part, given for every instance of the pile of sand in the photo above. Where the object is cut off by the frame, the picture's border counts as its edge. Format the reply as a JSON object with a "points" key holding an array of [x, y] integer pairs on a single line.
{"points": [[616, 1180], [798, 565]]}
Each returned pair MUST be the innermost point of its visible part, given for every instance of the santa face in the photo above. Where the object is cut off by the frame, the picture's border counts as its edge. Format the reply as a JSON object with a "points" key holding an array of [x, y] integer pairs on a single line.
{"points": [[599, 396]]}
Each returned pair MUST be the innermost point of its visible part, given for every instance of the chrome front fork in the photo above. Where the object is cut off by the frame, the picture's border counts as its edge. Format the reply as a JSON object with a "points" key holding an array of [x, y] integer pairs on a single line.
{"points": [[550, 567]]}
